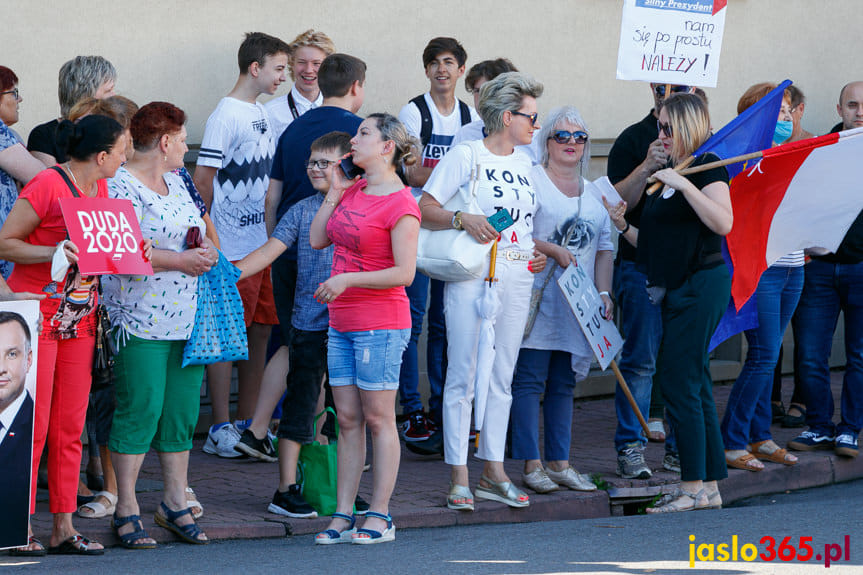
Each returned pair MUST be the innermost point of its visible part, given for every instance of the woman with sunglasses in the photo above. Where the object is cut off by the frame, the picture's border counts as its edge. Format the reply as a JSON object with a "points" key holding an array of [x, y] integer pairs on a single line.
{"points": [[571, 227], [507, 105], [17, 166], [680, 249]]}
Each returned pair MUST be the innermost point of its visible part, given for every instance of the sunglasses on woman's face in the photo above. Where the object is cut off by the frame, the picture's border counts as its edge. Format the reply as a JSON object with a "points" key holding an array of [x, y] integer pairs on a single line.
{"points": [[564, 136], [675, 89], [665, 129], [532, 117]]}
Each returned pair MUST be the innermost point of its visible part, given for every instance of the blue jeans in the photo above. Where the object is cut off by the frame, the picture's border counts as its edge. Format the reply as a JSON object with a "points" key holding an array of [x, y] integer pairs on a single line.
{"points": [[436, 350], [539, 371], [827, 289], [748, 415], [409, 395], [642, 328]]}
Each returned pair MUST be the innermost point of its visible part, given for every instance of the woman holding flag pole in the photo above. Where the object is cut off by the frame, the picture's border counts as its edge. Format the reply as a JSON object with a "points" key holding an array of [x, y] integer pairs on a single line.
{"points": [[679, 247]]}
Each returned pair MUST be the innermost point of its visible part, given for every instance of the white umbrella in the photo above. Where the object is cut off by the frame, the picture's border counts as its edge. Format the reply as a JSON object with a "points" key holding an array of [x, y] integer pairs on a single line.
{"points": [[488, 306]]}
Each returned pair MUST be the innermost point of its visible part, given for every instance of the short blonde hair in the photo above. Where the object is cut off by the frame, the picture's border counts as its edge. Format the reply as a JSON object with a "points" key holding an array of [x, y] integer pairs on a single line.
{"points": [[310, 39], [690, 123], [505, 93]]}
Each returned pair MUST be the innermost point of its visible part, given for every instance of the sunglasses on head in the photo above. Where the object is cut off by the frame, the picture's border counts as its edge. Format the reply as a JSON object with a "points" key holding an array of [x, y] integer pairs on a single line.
{"points": [[564, 136], [659, 89], [665, 129], [532, 117]]}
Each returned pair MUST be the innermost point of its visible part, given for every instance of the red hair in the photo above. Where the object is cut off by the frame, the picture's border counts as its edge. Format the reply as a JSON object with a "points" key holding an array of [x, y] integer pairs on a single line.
{"points": [[153, 121], [8, 79]]}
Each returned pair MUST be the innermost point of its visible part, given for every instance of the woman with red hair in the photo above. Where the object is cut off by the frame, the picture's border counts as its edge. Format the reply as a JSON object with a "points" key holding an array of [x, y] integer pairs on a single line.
{"points": [[152, 318]]}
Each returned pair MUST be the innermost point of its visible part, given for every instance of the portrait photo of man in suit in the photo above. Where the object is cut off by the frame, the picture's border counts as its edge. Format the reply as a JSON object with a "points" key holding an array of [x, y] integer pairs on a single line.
{"points": [[16, 428]]}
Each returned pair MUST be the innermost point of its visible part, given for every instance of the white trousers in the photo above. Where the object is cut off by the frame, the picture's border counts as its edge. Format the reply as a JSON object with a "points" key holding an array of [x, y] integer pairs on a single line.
{"points": [[463, 330]]}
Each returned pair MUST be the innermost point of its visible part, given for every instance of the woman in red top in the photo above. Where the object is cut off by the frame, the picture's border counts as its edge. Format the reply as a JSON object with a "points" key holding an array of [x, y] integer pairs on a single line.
{"points": [[33, 233], [373, 223]]}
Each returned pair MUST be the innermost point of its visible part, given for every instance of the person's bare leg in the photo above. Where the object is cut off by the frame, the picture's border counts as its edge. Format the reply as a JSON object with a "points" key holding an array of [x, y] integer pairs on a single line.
{"points": [[108, 476], [273, 385], [175, 470], [289, 454], [322, 404], [351, 450], [380, 415], [251, 371], [219, 386], [127, 467], [63, 529]]}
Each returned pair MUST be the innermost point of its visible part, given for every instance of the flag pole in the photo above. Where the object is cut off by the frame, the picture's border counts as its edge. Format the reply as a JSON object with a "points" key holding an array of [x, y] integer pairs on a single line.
{"points": [[629, 397], [711, 165], [678, 168]]}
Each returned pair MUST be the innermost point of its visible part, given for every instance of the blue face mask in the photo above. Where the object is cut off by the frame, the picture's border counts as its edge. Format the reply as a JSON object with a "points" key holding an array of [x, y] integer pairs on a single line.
{"points": [[783, 131]]}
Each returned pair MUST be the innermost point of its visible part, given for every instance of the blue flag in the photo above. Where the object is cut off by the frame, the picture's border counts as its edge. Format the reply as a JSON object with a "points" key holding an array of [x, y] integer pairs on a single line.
{"points": [[749, 132]]}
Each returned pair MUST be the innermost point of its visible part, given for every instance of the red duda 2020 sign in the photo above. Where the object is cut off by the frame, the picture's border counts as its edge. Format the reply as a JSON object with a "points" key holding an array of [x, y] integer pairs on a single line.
{"points": [[107, 234]]}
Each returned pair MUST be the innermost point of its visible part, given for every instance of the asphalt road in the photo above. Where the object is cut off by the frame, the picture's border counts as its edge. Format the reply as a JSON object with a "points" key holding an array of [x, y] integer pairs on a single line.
{"points": [[618, 545]]}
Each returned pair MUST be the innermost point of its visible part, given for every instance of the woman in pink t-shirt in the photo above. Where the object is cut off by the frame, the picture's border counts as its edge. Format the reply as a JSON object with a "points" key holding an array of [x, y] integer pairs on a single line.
{"points": [[373, 223]]}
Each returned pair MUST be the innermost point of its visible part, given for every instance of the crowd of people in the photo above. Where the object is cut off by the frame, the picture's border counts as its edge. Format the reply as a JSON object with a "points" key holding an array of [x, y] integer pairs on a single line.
{"points": [[328, 256]]}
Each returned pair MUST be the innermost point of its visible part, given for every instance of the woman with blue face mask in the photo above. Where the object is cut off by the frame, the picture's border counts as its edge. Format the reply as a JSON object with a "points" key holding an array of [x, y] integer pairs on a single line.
{"points": [[748, 415]]}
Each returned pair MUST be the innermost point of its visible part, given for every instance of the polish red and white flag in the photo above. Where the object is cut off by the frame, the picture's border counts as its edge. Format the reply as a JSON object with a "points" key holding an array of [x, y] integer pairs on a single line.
{"points": [[800, 195]]}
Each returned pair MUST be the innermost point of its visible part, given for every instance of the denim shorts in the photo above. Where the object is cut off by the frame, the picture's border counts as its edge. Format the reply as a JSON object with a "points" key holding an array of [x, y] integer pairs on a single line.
{"points": [[371, 360]]}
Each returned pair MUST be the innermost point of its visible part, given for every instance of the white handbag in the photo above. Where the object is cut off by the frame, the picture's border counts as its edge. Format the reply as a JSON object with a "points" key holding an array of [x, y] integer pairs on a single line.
{"points": [[454, 255]]}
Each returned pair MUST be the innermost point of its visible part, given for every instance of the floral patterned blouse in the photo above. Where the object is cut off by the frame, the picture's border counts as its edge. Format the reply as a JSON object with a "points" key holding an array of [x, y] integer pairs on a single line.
{"points": [[161, 306]]}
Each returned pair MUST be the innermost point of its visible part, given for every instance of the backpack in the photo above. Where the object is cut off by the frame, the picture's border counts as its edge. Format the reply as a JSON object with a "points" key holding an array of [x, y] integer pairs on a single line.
{"points": [[425, 114]]}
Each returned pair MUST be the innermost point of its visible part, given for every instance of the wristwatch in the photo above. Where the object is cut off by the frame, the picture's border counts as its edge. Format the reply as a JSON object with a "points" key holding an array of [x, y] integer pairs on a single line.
{"points": [[456, 220]]}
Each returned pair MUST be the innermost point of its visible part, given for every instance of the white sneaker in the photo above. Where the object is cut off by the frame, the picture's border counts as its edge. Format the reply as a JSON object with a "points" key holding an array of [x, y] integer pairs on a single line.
{"points": [[222, 441]]}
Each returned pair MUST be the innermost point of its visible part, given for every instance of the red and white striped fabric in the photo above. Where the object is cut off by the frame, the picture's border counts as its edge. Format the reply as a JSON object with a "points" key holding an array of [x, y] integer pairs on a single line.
{"points": [[800, 195]]}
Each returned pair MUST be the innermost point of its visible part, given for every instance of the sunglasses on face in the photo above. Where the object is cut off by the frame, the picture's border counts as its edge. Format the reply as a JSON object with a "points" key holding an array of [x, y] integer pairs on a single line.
{"points": [[564, 136], [665, 129], [320, 164], [659, 90], [532, 117]]}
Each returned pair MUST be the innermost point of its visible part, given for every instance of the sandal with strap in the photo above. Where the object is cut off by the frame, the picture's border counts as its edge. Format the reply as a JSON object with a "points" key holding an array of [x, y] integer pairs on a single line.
{"points": [[370, 536], [132, 540], [96, 509], [189, 533], [746, 462], [460, 498], [680, 500], [25, 551], [504, 492], [778, 455], [75, 545], [193, 504], [333, 536]]}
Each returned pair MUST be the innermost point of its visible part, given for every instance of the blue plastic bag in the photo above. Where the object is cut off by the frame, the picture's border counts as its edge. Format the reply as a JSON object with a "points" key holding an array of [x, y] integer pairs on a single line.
{"points": [[219, 333]]}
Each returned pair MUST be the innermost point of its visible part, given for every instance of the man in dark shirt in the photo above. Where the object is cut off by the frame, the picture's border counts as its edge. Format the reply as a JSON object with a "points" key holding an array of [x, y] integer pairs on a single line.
{"points": [[833, 282], [636, 155]]}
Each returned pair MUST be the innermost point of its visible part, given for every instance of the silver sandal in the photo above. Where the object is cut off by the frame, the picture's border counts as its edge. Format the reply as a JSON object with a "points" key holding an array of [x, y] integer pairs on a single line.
{"points": [[504, 492]]}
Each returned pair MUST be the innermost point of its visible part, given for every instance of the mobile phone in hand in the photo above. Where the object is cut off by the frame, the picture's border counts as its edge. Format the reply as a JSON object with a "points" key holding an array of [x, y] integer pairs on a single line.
{"points": [[350, 169], [501, 220]]}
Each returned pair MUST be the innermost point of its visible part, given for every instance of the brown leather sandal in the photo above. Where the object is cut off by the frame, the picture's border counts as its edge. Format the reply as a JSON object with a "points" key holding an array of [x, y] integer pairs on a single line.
{"points": [[780, 455], [743, 462]]}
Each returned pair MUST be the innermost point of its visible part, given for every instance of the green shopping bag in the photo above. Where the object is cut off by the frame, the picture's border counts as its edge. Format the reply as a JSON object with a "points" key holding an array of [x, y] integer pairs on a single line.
{"points": [[317, 471]]}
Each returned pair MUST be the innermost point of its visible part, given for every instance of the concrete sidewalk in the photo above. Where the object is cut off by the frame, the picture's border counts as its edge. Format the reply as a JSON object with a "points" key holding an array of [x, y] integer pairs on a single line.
{"points": [[236, 493]]}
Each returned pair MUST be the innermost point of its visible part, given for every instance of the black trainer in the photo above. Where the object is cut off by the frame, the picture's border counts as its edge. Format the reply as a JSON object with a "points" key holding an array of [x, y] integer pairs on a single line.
{"points": [[291, 503], [360, 505], [258, 448]]}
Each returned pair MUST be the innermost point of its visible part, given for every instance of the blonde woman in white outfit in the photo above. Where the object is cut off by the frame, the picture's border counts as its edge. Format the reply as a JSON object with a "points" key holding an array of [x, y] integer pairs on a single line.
{"points": [[507, 105]]}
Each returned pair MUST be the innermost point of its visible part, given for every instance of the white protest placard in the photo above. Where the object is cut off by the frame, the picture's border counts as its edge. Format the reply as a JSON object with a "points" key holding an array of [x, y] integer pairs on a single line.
{"points": [[586, 304], [671, 41]]}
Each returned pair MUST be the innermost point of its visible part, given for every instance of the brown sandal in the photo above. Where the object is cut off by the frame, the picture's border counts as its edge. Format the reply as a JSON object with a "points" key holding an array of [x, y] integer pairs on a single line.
{"points": [[780, 455], [743, 462]]}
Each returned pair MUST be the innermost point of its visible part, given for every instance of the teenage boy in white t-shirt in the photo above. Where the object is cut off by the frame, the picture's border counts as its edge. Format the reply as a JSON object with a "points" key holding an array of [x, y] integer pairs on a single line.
{"points": [[433, 118], [308, 51], [232, 176]]}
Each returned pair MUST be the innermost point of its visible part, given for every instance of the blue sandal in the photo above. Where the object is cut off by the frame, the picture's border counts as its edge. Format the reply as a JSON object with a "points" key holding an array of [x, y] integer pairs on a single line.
{"points": [[331, 536], [370, 536], [188, 533], [128, 540]]}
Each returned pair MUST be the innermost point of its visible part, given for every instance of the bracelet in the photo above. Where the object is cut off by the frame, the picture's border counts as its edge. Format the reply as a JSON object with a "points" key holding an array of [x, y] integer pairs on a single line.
{"points": [[624, 230], [604, 293]]}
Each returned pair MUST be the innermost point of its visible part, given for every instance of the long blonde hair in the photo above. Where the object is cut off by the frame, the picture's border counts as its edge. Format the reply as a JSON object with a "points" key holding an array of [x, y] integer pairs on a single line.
{"points": [[690, 123]]}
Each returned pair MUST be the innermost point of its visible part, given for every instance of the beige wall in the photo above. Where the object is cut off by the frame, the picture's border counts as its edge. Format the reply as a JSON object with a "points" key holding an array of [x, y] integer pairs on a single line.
{"points": [[185, 51]]}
